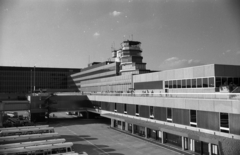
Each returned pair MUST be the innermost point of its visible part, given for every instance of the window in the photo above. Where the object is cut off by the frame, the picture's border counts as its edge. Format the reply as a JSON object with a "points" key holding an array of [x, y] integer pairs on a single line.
{"points": [[194, 83], [151, 112], [179, 83], [224, 81], [205, 82], [166, 84], [184, 84], [230, 80], [211, 82], [218, 81], [193, 118], [137, 110], [125, 108], [115, 107], [169, 114], [170, 84], [199, 83], [189, 83], [174, 84], [235, 81], [224, 123], [214, 149]]}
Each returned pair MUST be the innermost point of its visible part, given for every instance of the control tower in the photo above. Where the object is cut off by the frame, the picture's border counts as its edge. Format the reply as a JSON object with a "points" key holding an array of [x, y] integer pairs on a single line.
{"points": [[130, 58]]}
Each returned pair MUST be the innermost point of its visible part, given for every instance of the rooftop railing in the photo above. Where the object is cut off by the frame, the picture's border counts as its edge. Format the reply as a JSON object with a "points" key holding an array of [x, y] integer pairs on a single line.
{"points": [[227, 96]]}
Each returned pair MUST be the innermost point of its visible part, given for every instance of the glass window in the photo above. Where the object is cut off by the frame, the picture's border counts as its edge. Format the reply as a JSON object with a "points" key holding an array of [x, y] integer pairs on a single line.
{"points": [[184, 83], [194, 83], [189, 85], [137, 109], [199, 83], [179, 83], [230, 80], [224, 123], [211, 82], [235, 81], [170, 84], [174, 84], [193, 118], [151, 110], [115, 106], [218, 81], [205, 82], [169, 114], [166, 84], [125, 107], [224, 81]]}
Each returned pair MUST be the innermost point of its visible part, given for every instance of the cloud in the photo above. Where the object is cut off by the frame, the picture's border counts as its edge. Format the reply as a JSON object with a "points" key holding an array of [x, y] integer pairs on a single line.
{"points": [[96, 34], [175, 62], [115, 13], [238, 52]]}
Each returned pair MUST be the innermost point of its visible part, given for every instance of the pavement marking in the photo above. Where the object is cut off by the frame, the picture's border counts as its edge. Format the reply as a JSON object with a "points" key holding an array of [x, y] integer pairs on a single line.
{"points": [[86, 141]]}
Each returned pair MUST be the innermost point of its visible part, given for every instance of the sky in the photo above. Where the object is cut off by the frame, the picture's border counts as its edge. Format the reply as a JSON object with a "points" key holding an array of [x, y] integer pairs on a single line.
{"points": [[72, 33]]}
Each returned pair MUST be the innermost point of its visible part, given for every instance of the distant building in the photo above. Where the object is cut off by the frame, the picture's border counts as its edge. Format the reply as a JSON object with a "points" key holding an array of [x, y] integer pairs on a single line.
{"points": [[27, 79]]}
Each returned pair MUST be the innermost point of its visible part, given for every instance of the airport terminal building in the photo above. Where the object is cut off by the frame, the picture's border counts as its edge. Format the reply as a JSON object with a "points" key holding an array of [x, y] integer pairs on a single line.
{"points": [[196, 109]]}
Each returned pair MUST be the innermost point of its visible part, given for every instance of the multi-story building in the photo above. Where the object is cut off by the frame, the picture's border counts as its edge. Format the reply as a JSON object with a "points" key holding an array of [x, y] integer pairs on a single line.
{"points": [[26, 79], [196, 109]]}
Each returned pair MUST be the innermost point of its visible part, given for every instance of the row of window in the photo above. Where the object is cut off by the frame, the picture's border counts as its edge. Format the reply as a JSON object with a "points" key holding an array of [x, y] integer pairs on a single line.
{"points": [[202, 82], [224, 119], [190, 83]]}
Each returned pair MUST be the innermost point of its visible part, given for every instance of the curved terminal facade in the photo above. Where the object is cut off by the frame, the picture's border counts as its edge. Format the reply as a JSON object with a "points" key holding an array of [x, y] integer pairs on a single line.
{"points": [[196, 109]]}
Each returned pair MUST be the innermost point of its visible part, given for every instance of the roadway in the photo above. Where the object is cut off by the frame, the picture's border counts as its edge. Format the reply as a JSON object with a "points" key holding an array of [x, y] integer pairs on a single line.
{"points": [[96, 138]]}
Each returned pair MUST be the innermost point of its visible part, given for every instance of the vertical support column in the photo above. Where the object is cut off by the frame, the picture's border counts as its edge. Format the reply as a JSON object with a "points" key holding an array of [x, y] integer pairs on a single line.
{"points": [[163, 137], [145, 132], [126, 126], [112, 122], [210, 148], [183, 144], [132, 128]]}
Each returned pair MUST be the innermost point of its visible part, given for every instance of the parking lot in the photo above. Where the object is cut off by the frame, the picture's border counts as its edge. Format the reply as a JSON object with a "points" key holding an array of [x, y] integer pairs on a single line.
{"points": [[96, 138]]}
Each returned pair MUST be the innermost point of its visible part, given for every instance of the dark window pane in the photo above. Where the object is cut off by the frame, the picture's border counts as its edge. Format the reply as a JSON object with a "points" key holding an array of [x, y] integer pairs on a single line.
{"points": [[166, 84], [170, 84], [235, 81], [169, 113], [125, 107], [151, 110], [179, 83], [199, 83], [218, 81], [184, 84], [137, 108], [193, 116], [205, 82], [224, 120], [211, 82], [194, 83], [115, 106], [174, 84], [230, 80], [189, 83], [224, 81]]}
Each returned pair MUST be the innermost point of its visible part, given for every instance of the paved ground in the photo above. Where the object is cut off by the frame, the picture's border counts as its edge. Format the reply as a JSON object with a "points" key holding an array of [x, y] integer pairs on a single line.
{"points": [[96, 138]]}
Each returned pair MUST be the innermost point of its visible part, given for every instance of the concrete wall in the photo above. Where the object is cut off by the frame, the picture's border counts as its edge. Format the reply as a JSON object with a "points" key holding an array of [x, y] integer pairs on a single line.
{"points": [[182, 73], [212, 105]]}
